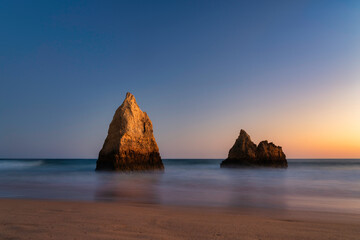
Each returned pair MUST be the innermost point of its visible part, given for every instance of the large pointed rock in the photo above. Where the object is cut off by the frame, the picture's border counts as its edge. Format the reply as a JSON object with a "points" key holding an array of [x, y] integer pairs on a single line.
{"points": [[130, 144], [246, 153]]}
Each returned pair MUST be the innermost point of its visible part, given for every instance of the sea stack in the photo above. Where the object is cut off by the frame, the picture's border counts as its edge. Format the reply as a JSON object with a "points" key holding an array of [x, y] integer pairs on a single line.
{"points": [[245, 153], [130, 144]]}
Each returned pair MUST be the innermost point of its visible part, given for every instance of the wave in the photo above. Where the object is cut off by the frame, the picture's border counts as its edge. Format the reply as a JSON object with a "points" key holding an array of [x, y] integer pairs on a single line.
{"points": [[19, 164], [87, 164]]}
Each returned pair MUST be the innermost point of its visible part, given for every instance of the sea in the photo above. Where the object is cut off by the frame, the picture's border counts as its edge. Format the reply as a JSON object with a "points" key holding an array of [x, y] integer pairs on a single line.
{"points": [[329, 185]]}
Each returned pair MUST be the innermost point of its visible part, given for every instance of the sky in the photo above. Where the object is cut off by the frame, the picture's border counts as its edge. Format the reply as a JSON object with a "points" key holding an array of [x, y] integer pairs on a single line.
{"points": [[285, 71]]}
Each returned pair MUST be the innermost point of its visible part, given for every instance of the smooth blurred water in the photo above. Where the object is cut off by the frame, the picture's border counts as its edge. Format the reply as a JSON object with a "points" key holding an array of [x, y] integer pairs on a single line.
{"points": [[307, 184]]}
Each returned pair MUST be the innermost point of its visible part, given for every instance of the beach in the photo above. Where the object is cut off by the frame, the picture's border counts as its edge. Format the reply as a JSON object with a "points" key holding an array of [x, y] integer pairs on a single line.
{"points": [[44, 219], [191, 199]]}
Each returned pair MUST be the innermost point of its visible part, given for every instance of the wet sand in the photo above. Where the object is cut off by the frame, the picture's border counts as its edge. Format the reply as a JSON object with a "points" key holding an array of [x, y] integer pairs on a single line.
{"points": [[41, 219]]}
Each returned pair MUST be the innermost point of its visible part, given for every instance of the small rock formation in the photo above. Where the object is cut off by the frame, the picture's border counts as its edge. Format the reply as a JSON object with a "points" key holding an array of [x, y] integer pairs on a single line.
{"points": [[246, 153], [130, 144]]}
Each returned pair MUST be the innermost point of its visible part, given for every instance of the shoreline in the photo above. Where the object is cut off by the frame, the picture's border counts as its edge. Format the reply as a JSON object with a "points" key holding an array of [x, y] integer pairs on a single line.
{"points": [[54, 219]]}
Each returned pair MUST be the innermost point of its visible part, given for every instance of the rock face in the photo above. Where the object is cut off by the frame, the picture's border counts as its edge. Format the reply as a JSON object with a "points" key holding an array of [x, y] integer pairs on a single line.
{"points": [[130, 144], [268, 154], [246, 153]]}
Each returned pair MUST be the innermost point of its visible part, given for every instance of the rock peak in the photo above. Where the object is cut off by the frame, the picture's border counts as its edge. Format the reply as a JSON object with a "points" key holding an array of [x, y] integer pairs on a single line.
{"points": [[243, 147], [129, 96], [244, 135], [130, 99]]}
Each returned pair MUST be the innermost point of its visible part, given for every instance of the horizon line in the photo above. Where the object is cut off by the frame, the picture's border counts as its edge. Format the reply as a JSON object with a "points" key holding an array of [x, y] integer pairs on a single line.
{"points": [[164, 158]]}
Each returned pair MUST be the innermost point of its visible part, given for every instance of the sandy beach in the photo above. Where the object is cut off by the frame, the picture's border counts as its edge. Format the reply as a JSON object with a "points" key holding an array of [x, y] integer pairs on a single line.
{"points": [[41, 219]]}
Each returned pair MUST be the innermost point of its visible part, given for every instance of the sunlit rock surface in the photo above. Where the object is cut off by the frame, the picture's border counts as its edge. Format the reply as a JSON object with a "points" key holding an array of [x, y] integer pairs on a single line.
{"points": [[130, 144], [246, 153]]}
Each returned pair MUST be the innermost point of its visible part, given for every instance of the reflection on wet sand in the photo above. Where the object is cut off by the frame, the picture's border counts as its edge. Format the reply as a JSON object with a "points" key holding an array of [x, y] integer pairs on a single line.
{"points": [[254, 193], [133, 187]]}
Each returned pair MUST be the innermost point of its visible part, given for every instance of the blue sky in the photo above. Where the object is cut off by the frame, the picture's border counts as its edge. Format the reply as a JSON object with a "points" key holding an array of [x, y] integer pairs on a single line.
{"points": [[286, 71]]}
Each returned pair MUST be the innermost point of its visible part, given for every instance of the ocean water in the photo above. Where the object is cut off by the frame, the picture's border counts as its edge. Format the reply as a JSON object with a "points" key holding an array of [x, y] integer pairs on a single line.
{"points": [[331, 185]]}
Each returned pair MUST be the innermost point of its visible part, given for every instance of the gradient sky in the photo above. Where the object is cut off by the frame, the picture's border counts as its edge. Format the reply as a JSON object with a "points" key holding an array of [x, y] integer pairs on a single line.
{"points": [[286, 71]]}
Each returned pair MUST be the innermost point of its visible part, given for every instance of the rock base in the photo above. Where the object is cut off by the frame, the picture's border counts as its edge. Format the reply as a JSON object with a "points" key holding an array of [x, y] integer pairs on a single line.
{"points": [[130, 161], [243, 163]]}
